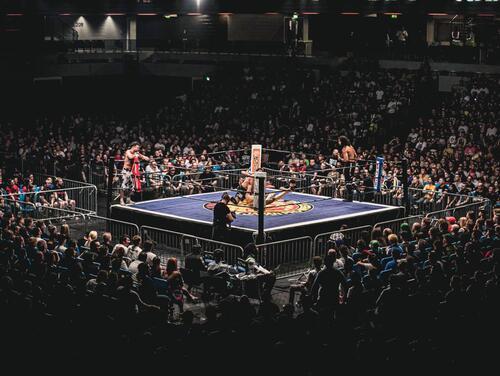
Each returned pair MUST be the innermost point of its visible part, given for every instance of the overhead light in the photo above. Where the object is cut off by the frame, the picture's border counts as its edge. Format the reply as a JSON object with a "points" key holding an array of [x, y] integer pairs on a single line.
{"points": [[350, 13], [437, 14], [146, 14], [115, 14], [14, 14], [194, 14], [168, 16]]}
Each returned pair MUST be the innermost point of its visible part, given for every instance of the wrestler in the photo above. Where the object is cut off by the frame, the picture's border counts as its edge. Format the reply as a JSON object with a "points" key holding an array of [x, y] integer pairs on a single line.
{"points": [[245, 191], [348, 158], [132, 156]]}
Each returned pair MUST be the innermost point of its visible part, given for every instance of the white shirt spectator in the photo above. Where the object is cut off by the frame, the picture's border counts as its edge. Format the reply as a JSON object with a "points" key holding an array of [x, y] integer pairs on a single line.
{"points": [[392, 106], [413, 137], [380, 94], [216, 267], [134, 266], [484, 90], [421, 145], [338, 264], [133, 252], [150, 257], [116, 247], [91, 284], [452, 140], [491, 131], [152, 170]]}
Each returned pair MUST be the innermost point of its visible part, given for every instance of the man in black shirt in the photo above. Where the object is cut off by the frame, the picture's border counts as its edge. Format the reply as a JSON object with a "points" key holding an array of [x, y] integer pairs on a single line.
{"points": [[329, 281], [222, 218], [194, 261]]}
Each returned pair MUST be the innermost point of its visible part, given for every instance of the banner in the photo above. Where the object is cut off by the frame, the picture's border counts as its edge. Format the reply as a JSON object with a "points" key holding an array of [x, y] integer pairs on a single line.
{"points": [[378, 173], [256, 159]]}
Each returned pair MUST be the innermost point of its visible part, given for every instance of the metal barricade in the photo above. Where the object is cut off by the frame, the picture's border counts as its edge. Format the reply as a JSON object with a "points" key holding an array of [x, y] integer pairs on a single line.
{"points": [[17, 207], [56, 215], [395, 224], [116, 227], [231, 251], [350, 237], [175, 244], [84, 194], [84, 197], [387, 197], [87, 223], [41, 213], [293, 256], [166, 243], [229, 179], [462, 210]]}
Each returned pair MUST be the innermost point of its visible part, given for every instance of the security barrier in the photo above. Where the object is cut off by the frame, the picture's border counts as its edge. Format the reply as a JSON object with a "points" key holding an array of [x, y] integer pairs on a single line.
{"points": [[349, 237], [166, 243], [290, 257], [395, 224], [231, 252], [175, 244]]}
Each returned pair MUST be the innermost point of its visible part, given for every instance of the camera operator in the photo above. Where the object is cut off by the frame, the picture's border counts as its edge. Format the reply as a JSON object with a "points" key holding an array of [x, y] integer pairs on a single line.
{"points": [[222, 219]]}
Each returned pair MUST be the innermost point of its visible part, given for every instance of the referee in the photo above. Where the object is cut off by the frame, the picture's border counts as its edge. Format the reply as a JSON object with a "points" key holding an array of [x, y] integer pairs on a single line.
{"points": [[222, 219]]}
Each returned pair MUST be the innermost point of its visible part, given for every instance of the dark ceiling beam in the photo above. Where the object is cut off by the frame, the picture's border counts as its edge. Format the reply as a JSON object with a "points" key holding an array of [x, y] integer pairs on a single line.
{"points": [[53, 7]]}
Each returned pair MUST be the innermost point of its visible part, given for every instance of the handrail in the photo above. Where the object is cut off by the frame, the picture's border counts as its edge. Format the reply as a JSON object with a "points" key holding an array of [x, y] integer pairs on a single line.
{"points": [[283, 241], [49, 191], [361, 228]]}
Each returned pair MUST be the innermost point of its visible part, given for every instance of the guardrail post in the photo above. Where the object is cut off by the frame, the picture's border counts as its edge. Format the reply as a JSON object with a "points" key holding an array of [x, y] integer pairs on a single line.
{"points": [[261, 177], [109, 196]]}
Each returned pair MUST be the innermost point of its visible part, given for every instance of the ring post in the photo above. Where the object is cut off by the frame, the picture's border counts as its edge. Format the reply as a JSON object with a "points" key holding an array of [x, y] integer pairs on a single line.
{"points": [[261, 203]]}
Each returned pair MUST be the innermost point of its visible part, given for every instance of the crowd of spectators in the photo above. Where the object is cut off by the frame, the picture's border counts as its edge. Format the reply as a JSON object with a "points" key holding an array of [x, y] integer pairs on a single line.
{"points": [[453, 147], [25, 196], [426, 294]]}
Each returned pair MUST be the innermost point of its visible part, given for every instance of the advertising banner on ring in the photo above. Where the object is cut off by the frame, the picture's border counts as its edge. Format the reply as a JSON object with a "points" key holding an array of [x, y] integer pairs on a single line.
{"points": [[256, 158]]}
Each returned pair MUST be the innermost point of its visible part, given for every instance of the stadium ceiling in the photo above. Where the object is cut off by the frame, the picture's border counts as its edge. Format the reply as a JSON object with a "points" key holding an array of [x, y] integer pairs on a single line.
{"points": [[150, 7]]}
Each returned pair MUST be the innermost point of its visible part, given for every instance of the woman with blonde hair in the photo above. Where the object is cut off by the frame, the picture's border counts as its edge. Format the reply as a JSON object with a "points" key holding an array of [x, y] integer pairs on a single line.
{"points": [[90, 238]]}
